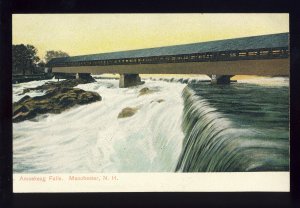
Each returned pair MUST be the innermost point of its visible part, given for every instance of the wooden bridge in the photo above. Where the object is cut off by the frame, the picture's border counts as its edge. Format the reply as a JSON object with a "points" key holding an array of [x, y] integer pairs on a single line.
{"points": [[263, 55]]}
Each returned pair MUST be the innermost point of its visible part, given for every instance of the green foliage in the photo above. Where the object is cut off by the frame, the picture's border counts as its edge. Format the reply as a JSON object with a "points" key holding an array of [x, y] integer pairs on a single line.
{"points": [[54, 54], [41, 63], [24, 58]]}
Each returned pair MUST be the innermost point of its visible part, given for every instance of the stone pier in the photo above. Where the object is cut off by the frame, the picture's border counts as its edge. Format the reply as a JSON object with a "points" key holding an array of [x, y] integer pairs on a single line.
{"points": [[220, 79], [83, 75], [128, 80]]}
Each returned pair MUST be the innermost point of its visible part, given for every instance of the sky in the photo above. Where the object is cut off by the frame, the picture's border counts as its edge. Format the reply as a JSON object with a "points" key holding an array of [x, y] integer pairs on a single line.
{"points": [[80, 34]]}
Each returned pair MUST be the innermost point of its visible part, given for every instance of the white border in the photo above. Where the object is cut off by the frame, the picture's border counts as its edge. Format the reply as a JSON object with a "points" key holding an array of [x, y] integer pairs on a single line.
{"points": [[153, 182]]}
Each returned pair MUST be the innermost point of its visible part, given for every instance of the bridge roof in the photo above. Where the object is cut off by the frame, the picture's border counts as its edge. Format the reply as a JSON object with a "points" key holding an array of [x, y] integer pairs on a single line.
{"points": [[280, 40]]}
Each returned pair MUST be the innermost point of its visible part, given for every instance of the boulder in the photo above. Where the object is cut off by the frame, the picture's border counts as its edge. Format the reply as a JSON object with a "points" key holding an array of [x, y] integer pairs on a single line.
{"points": [[145, 91], [127, 112]]}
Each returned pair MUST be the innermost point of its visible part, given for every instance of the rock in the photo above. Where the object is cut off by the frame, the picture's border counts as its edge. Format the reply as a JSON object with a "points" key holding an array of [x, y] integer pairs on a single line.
{"points": [[88, 97], [55, 100], [159, 100], [26, 90], [66, 100], [21, 109], [21, 116], [185, 81], [127, 112], [146, 91]]}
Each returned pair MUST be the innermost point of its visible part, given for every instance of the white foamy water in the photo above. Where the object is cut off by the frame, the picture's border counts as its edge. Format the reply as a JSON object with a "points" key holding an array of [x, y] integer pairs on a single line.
{"points": [[195, 79], [18, 88], [90, 138], [268, 81]]}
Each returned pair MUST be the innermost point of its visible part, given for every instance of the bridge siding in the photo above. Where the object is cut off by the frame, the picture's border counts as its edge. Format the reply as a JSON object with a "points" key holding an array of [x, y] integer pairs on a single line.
{"points": [[274, 67], [200, 57]]}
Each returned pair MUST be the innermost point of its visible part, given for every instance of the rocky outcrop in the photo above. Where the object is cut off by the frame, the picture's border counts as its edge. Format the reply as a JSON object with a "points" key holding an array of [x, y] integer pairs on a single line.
{"points": [[127, 112], [56, 100]]}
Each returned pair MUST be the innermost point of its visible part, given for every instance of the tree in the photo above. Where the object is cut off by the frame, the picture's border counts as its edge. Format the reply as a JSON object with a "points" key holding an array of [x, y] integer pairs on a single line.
{"points": [[41, 64], [24, 58], [54, 54]]}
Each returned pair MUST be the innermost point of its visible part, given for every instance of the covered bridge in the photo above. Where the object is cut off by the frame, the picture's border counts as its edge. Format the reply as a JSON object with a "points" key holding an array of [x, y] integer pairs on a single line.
{"points": [[256, 55]]}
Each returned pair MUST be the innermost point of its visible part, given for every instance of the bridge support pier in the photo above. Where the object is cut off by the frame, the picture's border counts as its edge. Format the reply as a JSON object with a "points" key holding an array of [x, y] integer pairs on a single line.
{"points": [[83, 76], [128, 80], [220, 79]]}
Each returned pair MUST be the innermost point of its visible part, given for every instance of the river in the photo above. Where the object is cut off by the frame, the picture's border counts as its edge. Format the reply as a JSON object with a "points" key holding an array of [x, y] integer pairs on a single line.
{"points": [[183, 125]]}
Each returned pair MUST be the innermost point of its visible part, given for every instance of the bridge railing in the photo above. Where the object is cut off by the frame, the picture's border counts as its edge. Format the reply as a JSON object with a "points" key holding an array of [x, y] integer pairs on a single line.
{"points": [[256, 54]]}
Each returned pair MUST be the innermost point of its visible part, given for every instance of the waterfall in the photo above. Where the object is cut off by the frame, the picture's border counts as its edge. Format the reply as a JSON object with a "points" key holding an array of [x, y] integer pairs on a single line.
{"points": [[213, 143], [175, 128]]}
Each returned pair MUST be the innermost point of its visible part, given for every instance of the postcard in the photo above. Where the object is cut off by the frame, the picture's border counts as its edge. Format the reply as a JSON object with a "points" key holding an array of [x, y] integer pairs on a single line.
{"points": [[158, 102]]}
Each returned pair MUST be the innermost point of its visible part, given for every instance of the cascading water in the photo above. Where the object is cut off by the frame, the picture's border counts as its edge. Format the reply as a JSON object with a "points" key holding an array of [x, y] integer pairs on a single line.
{"points": [[91, 138], [214, 143], [194, 128]]}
